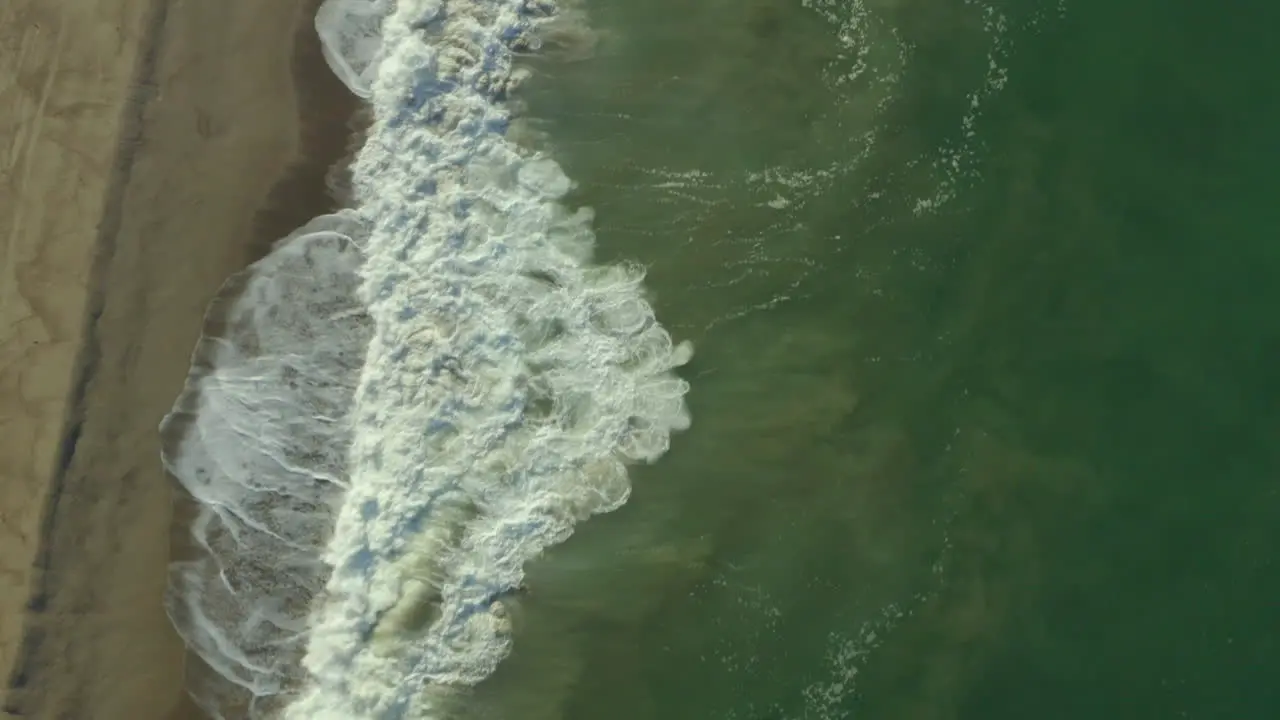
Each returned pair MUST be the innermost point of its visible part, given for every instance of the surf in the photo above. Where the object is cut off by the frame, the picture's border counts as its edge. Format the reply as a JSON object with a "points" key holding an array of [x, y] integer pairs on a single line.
{"points": [[491, 384]]}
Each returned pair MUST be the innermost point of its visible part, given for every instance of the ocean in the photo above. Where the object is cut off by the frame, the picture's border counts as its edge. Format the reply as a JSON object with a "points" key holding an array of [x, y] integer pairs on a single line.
{"points": [[757, 360]]}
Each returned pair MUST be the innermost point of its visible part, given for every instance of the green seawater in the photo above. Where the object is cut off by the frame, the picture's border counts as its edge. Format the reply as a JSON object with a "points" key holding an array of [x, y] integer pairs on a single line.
{"points": [[986, 391]]}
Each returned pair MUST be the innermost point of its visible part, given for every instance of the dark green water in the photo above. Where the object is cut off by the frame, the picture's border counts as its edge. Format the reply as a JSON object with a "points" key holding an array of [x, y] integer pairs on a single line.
{"points": [[986, 424]]}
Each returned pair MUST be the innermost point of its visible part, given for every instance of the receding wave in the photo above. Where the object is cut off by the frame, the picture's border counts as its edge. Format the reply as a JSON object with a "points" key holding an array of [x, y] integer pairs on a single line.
{"points": [[408, 401], [258, 438]]}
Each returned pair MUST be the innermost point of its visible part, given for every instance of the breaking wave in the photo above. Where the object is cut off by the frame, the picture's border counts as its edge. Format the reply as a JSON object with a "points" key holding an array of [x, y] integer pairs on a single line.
{"points": [[402, 404]]}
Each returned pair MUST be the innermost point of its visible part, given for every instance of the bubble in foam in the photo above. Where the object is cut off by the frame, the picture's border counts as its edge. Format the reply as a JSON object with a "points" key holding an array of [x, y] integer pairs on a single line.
{"points": [[544, 177], [258, 438], [351, 39]]}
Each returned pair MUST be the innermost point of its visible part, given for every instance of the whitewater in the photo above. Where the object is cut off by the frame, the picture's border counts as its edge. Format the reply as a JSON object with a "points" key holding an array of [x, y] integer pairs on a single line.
{"points": [[406, 401]]}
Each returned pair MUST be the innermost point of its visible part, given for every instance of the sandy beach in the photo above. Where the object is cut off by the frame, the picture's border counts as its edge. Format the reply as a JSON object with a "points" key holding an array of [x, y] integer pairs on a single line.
{"points": [[153, 147]]}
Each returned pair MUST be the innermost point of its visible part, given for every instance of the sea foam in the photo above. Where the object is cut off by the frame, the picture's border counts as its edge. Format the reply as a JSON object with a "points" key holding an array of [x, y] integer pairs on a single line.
{"points": [[259, 440], [506, 384]]}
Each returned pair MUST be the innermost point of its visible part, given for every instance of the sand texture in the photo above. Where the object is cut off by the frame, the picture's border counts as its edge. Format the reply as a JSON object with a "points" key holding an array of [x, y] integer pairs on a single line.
{"points": [[148, 149]]}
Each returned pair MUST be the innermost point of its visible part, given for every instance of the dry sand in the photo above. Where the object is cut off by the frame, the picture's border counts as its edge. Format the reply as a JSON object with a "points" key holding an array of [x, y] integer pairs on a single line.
{"points": [[148, 149]]}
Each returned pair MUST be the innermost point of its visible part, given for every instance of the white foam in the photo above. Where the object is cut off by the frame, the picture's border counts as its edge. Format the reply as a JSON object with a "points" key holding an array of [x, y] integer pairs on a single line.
{"points": [[957, 161], [259, 438], [507, 383], [351, 39]]}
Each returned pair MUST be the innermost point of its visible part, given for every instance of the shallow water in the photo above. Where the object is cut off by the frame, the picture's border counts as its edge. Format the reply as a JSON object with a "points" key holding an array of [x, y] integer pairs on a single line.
{"points": [[984, 423]]}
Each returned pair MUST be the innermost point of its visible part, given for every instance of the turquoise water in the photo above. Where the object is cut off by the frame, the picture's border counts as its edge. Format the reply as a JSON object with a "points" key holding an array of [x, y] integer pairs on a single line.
{"points": [[984, 422]]}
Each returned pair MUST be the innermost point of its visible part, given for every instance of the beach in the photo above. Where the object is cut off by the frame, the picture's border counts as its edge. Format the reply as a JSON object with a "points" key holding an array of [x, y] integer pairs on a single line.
{"points": [[970, 300], [154, 149]]}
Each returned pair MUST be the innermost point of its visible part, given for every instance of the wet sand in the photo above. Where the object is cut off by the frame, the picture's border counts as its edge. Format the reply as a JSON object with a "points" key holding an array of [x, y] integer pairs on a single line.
{"points": [[153, 149]]}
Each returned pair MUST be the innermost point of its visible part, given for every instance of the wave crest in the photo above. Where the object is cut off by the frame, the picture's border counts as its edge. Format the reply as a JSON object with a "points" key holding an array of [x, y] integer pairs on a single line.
{"points": [[508, 382]]}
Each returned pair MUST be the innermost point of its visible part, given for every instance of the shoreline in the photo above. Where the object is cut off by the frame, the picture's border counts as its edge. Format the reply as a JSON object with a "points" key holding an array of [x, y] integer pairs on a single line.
{"points": [[226, 136]]}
